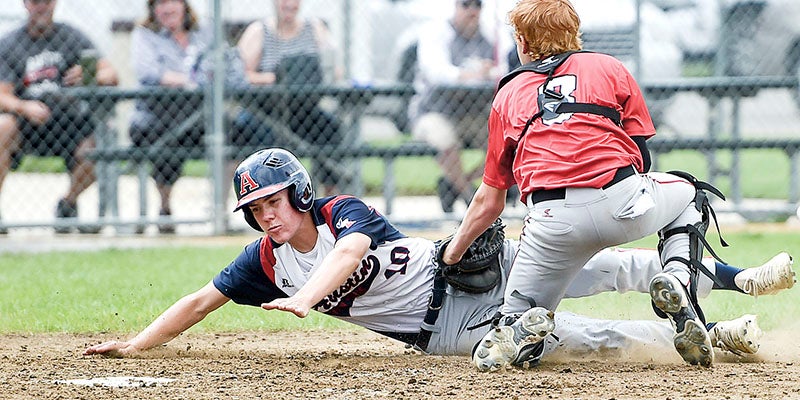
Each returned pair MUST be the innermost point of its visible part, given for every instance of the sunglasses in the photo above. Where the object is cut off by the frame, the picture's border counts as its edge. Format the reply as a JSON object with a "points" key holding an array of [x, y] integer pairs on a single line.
{"points": [[470, 3]]}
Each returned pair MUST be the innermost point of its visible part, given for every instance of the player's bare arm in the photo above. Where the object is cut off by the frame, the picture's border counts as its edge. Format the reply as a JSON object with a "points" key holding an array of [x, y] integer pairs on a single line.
{"points": [[181, 316], [486, 206], [336, 267]]}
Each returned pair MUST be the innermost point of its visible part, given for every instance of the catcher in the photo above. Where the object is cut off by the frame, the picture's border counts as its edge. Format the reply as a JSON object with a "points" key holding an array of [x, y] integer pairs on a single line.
{"points": [[338, 256]]}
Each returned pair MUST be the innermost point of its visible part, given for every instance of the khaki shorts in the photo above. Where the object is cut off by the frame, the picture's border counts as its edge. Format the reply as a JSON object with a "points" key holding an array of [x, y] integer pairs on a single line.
{"points": [[443, 132]]}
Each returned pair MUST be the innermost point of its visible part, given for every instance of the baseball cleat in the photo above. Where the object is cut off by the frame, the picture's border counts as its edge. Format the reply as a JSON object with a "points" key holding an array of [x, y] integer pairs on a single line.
{"points": [[691, 338], [519, 344], [770, 278], [739, 336]]}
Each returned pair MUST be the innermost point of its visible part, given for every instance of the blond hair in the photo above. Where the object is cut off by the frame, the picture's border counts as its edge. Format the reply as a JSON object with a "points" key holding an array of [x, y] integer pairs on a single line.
{"points": [[549, 27]]}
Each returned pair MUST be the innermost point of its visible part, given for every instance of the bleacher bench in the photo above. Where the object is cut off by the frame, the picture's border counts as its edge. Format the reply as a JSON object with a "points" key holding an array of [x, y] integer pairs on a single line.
{"points": [[141, 155]]}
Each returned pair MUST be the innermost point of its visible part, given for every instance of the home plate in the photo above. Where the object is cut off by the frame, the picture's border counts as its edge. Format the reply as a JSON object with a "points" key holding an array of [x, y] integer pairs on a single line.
{"points": [[118, 381]]}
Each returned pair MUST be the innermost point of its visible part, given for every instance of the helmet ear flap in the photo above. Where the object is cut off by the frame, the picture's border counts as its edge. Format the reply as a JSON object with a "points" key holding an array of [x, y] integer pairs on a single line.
{"points": [[303, 197], [251, 219]]}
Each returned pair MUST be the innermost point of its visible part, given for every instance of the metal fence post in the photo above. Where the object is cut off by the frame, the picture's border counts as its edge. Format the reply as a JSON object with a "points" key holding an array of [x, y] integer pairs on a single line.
{"points": [[214, 124]]}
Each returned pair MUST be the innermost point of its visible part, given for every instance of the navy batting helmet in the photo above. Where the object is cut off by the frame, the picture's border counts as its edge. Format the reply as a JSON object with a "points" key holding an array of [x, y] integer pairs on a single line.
{"points": [[267, 172]]}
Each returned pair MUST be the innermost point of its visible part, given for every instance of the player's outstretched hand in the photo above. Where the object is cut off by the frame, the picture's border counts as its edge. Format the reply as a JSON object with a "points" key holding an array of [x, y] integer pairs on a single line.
{"points": [[290, 304], [111, 349]]}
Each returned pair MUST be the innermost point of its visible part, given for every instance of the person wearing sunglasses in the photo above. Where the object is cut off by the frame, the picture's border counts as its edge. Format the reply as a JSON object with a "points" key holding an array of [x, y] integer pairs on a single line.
{"points": [[454, 52]]}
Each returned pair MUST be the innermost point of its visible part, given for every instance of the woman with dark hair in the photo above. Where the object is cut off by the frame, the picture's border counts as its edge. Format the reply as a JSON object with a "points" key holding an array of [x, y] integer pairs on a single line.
{"points": [[168, 49]]}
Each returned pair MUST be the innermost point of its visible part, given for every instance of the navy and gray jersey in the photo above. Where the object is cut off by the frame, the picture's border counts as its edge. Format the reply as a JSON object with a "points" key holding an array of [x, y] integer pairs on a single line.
{"points": [[388, 292]]}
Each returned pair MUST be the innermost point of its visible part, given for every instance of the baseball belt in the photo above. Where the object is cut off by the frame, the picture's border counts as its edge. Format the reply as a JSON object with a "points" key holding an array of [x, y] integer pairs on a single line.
{"points": [[561, 193]]}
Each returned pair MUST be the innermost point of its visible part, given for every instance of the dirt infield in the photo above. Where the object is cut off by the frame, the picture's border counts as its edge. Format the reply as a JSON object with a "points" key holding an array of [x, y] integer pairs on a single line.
{"points": [[361, 365], [357, 364]]}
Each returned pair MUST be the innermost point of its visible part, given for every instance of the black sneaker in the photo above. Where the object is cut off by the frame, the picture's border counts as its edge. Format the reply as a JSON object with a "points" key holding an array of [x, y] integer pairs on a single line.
{"points": [[691, 337], [517, 341], [65, 209], [3, 230], [447, 194], [167, 229]]}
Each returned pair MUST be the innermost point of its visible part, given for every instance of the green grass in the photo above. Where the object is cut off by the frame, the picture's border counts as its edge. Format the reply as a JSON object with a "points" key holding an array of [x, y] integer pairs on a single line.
{"points": [[123, 290], [418, 175], [746, 249], [756, 180], [42, 165], [120, 290]]}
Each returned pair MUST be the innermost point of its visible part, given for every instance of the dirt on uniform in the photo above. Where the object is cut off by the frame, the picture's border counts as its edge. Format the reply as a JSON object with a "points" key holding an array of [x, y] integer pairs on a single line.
{"points": [[357, 364]]}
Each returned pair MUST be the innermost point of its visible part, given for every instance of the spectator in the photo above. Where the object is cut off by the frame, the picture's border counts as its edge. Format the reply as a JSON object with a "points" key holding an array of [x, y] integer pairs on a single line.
{"points": [[36, 61], [290, 49], [450, 52], [169, 49]]}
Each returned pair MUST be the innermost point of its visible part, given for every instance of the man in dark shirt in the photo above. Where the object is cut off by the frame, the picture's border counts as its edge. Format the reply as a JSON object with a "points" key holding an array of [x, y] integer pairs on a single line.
{"points": [[36, 60]]}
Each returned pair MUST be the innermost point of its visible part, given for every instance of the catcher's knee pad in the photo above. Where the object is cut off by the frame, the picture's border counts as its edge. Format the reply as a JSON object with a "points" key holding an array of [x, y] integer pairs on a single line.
{"points": [[696, 232], [694, 264], [702, 205], [701, 202]]}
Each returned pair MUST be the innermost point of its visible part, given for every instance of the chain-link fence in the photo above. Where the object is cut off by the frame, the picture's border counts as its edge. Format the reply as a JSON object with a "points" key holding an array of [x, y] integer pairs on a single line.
{"points": [[158, 100]]}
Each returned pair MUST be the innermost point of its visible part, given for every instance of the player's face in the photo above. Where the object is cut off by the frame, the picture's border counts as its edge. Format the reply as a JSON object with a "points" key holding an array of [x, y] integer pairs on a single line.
{"points": [[276, 216]]}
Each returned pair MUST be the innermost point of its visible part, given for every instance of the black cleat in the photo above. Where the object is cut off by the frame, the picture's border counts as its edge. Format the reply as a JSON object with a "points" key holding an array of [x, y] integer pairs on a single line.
{"points": [[691, 338]]}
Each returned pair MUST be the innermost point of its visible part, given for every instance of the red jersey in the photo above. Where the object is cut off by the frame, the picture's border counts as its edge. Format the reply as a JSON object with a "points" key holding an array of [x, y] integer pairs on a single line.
{"points": [[567, 149]]}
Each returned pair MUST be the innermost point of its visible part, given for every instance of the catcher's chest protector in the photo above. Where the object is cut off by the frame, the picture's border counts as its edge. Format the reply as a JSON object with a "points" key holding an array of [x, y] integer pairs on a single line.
{"points": [[552, 101]]}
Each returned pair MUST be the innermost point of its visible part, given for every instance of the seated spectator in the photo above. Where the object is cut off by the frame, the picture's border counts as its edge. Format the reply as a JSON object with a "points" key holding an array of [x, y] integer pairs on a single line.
{"points": [[451, 52], [169, 49], [289, 49], [36, 61]]}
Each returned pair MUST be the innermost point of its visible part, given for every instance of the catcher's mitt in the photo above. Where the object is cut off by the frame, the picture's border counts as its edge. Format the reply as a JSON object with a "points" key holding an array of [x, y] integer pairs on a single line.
{"points": [[479, 268]]}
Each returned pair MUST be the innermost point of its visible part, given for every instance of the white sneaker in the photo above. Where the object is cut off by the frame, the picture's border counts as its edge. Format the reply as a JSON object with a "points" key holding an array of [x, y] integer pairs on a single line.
{"points": [[739, 336], [691, 338], [518, 344], [770, 278]]}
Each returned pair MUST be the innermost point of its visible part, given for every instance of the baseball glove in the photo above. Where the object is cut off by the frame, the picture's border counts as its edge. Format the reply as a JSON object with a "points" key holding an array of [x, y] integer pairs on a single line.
{"points": [[478, 271]]}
